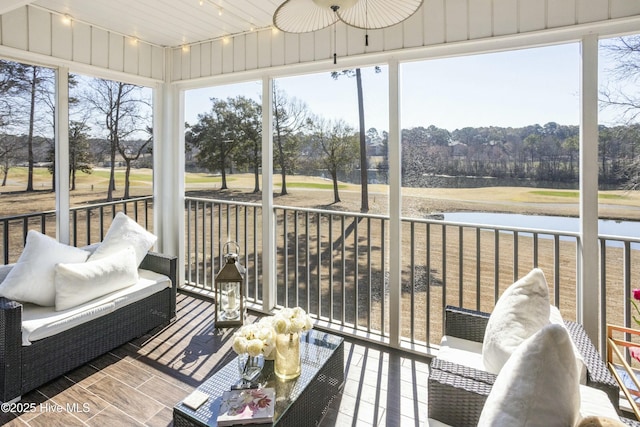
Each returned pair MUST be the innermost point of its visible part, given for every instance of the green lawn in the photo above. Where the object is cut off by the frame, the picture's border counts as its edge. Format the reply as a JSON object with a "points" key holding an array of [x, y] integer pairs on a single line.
{"points": [[573, 194]]}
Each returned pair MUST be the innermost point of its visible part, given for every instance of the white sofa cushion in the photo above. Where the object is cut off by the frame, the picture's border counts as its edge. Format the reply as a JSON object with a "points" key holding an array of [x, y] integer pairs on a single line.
{"points": [[125, 232], [42, 322], [596, 403], [538, 386], [521, 311], [461, 351], [31, 278], [81, 282]]}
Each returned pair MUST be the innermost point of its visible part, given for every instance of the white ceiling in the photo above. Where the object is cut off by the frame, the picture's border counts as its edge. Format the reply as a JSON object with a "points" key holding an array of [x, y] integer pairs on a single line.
{"points": [[166, 22]]}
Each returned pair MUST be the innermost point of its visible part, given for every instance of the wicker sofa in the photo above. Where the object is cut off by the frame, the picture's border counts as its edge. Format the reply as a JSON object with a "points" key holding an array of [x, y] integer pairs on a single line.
{"points": [[23, 368], [457, 394]]}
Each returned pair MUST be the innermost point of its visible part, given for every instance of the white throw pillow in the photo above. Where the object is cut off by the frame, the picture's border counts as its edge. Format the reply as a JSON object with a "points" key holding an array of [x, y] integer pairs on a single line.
{"points": [[31, 278], [125, 232], [521, 311], [556, 318], [538, 386], [79, 283]]}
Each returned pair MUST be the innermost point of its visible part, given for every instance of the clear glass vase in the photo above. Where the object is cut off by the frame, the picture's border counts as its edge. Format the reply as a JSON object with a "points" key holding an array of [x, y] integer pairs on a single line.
{"points": [[287, 363], [250, 367]]}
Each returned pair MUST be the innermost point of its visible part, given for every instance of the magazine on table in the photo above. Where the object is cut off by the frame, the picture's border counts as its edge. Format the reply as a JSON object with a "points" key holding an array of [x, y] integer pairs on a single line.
{"points": [[247, 406]]}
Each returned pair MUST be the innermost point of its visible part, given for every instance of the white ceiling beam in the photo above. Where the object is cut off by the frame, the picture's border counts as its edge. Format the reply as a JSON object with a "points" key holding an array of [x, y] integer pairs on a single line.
{"points": [[9, 5]]}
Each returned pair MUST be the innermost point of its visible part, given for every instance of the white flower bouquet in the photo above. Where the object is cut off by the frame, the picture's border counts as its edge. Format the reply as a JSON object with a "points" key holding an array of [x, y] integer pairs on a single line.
{"points": [[291, 321], [255, 338]]}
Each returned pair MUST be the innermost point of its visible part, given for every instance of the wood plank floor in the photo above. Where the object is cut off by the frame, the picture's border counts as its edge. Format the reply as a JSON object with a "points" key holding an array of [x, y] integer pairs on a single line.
{"points": [[139, 383]]}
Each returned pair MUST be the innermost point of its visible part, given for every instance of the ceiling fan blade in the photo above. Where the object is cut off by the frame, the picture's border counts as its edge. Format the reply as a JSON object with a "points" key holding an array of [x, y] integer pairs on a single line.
{"points": [[302, 16], [375, 14]]}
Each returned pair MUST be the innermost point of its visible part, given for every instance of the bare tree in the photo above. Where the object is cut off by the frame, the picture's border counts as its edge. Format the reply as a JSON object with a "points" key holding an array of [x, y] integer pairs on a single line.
{"points": [[130, 151], [336, 146], [290, 119], [10, 87], [122, 108], [31, 82], [620, 93]]}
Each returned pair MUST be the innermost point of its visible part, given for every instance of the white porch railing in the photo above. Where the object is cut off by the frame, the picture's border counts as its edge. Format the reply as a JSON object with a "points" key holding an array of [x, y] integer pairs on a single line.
{"points": [[335, 264]]}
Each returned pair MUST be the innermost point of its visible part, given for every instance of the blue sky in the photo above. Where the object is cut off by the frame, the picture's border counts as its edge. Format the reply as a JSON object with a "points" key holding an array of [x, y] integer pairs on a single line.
{"points": [[508, 89]]}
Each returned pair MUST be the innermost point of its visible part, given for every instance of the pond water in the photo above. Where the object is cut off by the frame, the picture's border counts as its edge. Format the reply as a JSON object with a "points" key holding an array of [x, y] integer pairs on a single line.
{"points": [[555, 223]]}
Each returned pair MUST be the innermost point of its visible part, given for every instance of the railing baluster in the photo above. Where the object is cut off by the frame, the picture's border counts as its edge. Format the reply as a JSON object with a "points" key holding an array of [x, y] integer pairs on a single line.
{"points": [[603, 294], [307, 276], [319, 266], [331, 302], [344, 273], [204, 245], [383, 261], [516, 260], [212, 255], [460, 266], [412, 281], [496, 265], [189, 239], [444, 268], [626, 277], [256, 265], [369, 275], [88, 226], [196, 239], [556, 270], [285, 245], [5, 239], [478, 269], [428, 262], [296, 257], [356, 267]]}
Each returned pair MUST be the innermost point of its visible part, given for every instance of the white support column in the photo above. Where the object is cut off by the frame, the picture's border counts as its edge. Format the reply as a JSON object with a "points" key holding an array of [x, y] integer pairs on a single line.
{"points": [[268, 218], [168, 168], [395, 206], [62, 155], [588, 255]]}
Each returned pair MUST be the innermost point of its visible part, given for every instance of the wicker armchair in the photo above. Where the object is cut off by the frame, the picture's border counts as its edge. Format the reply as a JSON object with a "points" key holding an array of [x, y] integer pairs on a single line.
{"points": [[457, 393]]}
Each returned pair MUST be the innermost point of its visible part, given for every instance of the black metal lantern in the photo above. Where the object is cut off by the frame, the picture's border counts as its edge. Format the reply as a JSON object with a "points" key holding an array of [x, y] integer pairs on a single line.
{"points": [[229, 290]]}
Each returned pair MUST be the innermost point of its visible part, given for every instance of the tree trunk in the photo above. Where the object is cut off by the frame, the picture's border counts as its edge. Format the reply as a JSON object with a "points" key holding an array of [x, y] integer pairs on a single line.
{"points": [[32, 114], [223, 171], [334, 177], [256, 187], [364, 172], [127, 173], [5, 174], [53, 175], [112, 171], [283, 170]]}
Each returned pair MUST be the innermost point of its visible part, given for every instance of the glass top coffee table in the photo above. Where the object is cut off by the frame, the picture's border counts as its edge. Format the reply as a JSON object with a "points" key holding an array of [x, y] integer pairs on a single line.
{"points": [[299, 402]]}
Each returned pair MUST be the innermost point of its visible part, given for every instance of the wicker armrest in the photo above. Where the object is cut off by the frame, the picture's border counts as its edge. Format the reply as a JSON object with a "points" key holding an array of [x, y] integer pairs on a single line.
{"points": [[167, 265], [456, 394], [466, 324], [10, 356], [598, 375], [452, 382]]}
